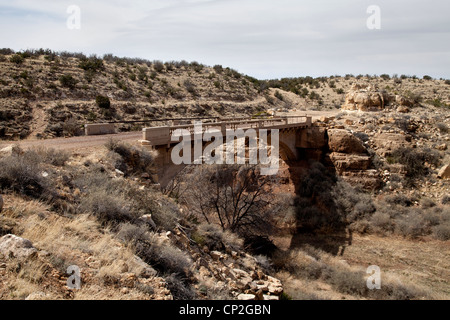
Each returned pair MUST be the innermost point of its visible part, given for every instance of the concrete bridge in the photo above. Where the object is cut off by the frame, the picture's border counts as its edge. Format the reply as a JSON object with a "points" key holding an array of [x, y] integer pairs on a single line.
{"points": [[296, 136]]}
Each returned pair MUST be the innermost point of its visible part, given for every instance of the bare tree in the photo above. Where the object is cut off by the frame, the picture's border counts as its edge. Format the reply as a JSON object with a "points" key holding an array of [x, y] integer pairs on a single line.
{"points": [[236, 197]]}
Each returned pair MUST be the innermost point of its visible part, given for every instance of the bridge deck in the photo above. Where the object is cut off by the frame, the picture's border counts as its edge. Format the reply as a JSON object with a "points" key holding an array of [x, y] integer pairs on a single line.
{"points": [[159, 136]]}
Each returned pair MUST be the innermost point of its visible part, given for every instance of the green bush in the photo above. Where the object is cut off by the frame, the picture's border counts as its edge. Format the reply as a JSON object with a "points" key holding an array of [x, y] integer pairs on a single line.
{"points": [[17, 59], [103, 102], [278, 95], [68, 81], [218, 68], [92, 63]]}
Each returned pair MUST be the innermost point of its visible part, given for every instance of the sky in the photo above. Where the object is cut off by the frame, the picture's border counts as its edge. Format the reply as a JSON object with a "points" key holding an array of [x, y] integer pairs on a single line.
{"points": [[261, 38]]}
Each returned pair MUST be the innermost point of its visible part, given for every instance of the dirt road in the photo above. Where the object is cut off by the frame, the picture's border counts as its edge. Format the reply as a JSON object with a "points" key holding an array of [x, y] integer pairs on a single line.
{"points": [[82, 143]]}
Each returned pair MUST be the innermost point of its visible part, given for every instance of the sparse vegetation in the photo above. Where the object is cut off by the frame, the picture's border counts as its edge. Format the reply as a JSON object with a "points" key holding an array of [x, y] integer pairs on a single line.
{"points": [[104, 211], [103, 102], [68, 81]]}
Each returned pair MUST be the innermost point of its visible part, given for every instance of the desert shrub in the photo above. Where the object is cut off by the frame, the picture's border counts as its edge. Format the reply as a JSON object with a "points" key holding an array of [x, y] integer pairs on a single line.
{"points": [[385, 76], [22, 172], [278, 95], [132, 159], [165, 213], [158, 66], [154, 250], [89, 75], [219, 69], [179, 288], [410, 225], [190, 87], [92, 63], [426, 77], [447, 82], [103, 102], [442, 231], [196, 66], [17, 59], [68, 81], [438, 103], [340, 91], [71, 128], [381, 223], [51, 156], [6, 51], [443, 128], [348, 281], [109, 207], [216, 239], [445, 200], [414, 160], [300, 264], [399, 199], [427, 203]]}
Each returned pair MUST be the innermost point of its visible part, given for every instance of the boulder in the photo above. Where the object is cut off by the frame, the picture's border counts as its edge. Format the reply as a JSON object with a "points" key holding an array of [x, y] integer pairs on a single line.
{"points": [[403, 102], [39, 295], [365, 97], [14, 246], [215, 255], [387, 142], [342, 141], [444, 172], [403, 109], [345, 162], [246, 297], [6, 151]]}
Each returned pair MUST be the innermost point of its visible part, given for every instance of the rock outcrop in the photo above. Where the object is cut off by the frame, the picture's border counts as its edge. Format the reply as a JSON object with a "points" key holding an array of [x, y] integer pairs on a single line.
{"points": [[350, 159], [342, 141], [365, 97], [444, 173], [16, 247]]}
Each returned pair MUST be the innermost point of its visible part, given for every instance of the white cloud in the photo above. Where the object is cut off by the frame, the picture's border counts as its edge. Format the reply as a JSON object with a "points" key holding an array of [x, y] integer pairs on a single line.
{"points": [[258, 37]]}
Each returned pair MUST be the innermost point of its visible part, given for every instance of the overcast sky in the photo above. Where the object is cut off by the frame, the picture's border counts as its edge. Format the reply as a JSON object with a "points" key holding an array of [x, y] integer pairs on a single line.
{"points": [[261, 38]]}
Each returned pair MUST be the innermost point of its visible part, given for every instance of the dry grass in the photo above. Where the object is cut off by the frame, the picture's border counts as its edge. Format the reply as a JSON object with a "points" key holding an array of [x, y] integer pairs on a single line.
{"points": [[334, 278], [68, 241]]}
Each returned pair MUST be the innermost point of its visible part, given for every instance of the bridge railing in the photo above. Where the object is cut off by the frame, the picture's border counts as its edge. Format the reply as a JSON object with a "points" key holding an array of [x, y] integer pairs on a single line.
{"points": [[163, 135]]}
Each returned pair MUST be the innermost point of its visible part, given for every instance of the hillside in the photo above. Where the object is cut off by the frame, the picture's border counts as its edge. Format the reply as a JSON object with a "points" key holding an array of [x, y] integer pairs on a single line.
{"points": [[44, 94], [371, 187]]}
